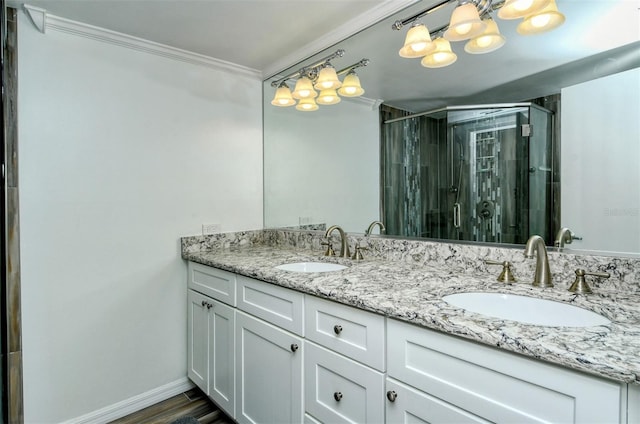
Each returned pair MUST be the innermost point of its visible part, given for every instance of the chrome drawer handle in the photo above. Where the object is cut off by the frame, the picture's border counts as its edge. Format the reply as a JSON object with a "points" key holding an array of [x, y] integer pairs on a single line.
{"points": [[337, 329], [392, 395], [337, 396], [294, 347]]}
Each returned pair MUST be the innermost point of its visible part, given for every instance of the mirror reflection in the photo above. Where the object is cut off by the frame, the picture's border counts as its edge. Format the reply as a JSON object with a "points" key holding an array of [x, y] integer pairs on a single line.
{"points": [[331, 166]]}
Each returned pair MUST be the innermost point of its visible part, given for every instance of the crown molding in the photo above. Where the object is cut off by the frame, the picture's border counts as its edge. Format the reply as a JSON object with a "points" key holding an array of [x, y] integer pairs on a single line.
{"points": [[349, 28], [44, 21]]}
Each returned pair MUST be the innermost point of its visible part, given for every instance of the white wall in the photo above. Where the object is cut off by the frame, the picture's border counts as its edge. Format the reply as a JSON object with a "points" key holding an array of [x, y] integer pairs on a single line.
{"points": [[600, 179], [328, 185], [121, 153]]}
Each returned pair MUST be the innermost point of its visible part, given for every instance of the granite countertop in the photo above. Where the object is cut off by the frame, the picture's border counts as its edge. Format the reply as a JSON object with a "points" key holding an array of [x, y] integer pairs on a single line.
{"points": [[413, 293]]}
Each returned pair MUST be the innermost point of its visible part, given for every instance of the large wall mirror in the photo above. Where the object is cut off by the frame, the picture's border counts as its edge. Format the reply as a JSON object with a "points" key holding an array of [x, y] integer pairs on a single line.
{"points": [[331, 166]]}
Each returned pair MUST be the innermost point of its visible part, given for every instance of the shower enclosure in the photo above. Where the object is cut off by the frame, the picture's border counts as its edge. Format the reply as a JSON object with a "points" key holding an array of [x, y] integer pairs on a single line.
{"points": [[478, 173]]}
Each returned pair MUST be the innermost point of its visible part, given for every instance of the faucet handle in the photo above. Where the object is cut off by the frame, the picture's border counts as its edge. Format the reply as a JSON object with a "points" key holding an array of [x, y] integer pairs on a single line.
{"points": [[357, 255], [330, 251], [506, 276], [580, 284]]}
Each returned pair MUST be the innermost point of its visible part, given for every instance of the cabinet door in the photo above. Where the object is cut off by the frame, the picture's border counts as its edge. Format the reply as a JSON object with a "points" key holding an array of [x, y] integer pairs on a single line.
{"points": [[222, 356], [268, 373], [340, 390], [198, 339], [407, 405]]}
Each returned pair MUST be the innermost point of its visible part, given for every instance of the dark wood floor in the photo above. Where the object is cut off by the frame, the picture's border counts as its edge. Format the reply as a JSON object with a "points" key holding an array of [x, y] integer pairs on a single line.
{"points": [[193, 403]]}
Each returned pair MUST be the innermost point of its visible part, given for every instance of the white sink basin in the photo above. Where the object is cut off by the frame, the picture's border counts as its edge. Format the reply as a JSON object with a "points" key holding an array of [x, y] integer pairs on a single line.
{"points": [[310, 267], [526, 310]]}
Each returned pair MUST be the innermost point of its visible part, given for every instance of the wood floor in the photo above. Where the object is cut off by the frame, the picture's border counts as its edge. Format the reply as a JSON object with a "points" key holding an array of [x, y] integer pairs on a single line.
{"points": [[193, 403]]}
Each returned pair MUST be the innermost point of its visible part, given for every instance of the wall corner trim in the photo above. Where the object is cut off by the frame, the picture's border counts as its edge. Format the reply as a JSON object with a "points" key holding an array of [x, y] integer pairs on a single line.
{"points": [[45, 21], [135, 403], [38, 17]]}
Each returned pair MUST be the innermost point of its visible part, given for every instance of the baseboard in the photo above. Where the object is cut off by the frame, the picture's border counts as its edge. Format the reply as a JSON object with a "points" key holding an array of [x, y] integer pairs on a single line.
{"points": [[134, 404]]}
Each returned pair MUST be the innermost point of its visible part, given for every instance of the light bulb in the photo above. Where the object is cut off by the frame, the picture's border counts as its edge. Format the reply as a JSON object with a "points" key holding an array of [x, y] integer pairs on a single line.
{"points": [[350, 90], [522, 4], [540, 21], [463, 29], [417, 47], [483, 41]]}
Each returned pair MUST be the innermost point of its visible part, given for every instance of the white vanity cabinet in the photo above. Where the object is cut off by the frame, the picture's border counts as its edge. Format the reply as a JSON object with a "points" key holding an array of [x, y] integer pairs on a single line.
{"points": [[211, 337], [269, 353], [344, 363], [470, 382]]}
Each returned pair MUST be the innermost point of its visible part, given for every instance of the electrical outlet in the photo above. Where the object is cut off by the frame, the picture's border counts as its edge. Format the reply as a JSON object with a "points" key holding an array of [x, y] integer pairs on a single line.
{"points": [[305, 220], [210, 229]]}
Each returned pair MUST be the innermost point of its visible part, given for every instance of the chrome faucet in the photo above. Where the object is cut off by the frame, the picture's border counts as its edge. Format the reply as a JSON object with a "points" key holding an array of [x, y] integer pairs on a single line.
{"points": [[371, 227], [344, 243], [542, 277]]}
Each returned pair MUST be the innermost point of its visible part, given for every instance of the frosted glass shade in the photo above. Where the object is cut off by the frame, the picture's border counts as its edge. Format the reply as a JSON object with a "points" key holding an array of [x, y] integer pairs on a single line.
{"points": [[545, 20], [283, 97], [304, 89], [515, 9], [328, 97], [307, 104], [417, 43], [488, 41], [327, 79], [465, 23], [442, 56], [351, 86]]}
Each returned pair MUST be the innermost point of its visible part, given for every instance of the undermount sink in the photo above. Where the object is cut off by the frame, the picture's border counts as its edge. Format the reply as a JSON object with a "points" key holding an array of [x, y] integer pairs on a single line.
{"points": [[526, 310], [310, 267]]}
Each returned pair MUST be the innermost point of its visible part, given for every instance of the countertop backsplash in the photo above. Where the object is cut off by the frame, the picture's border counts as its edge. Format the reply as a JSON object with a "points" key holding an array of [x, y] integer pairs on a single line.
{"points": [[468, 258]]}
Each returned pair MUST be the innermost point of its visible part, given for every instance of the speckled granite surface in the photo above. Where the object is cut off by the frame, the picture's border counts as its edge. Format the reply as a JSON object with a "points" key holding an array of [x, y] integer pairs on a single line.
{"points": [[407, 280]]}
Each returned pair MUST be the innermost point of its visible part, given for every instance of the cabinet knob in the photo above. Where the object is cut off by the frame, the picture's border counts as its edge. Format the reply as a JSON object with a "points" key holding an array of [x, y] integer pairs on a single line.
{"points": [[337, 329], [392, 395], [204, 303], [337, 396], [294, 347]]}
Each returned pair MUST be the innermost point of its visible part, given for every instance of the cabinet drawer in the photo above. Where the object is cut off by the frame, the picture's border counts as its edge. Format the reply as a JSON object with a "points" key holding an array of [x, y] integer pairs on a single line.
{"points": [[496, 385], [277, 305], [412, 406], [352, 332], [213, 282], [338, 389]]}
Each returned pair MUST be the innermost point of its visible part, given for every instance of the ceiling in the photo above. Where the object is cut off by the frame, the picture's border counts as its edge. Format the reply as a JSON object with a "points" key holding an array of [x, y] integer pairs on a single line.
{"points": [[269, 36], [252, 33]]}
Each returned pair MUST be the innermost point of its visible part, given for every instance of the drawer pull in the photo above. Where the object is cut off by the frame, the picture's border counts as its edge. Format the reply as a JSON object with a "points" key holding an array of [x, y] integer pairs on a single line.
{"points": [[337, 396], [204, 303], [294, 347], [392, 395], [209, 305], [337, 329]]}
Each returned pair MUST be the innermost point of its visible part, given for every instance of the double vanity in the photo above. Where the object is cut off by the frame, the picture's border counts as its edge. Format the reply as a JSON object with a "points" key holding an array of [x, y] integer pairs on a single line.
{"points": [[412, 333]]}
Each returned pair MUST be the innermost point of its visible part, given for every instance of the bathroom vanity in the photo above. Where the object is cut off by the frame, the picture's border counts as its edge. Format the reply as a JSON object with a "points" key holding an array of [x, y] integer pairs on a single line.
{"points": [[374, 342]]}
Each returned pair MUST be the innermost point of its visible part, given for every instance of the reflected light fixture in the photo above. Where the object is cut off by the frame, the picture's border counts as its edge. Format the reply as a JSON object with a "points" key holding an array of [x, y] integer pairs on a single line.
{"points": [[515, 9], [304, 89], [320, 76], [465, 22], [471, 20], [545, 20], [327, 79], [308, 104], [442, 56], [283, 97], [328, 97], [488, 41], [351, 85], [418, 42]]}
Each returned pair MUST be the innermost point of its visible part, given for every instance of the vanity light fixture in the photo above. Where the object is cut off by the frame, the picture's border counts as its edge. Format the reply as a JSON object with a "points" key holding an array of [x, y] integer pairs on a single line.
{"points": [[488, 41], [545, 20], [471, 20], [418, 42], [465, 22], [283, 97], [442, 56], [319, 77]]}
